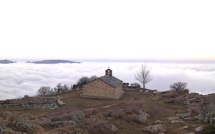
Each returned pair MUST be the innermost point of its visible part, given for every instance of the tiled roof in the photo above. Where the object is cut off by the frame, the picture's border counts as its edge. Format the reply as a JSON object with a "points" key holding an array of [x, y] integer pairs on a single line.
{"points": [[111, 80]]}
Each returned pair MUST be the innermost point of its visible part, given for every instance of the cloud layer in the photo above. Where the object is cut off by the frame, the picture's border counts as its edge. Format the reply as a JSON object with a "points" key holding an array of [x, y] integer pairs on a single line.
{"points": [[17, 80]]}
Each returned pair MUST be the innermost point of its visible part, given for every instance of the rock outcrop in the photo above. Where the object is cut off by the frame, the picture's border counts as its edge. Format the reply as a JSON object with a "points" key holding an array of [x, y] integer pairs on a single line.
{"points": [[156, 128], [143, 116]]}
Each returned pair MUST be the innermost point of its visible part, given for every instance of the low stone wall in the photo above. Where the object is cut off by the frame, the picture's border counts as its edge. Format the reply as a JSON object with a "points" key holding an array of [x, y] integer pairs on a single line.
{"points": [[131, 89], [36, 102]]}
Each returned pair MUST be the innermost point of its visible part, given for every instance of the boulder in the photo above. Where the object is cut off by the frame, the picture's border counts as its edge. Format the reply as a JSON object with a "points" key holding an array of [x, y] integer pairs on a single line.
{"points": [[78, 116], [180, 100], [59, 101], [185, 127], [183, 115], [159, 128], [157, 122], [143, 116], [208, 117], [23, 126], [175, 119], [199, 129], [113, 127]]}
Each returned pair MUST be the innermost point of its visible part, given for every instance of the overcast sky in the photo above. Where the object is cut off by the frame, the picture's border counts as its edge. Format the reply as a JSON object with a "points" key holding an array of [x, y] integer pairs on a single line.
{"points": [[110, 29]]}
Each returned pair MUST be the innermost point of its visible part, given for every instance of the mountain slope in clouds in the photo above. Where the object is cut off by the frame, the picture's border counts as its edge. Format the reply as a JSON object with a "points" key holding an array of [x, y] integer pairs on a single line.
{"points": [[6, 62], [53, 61]]}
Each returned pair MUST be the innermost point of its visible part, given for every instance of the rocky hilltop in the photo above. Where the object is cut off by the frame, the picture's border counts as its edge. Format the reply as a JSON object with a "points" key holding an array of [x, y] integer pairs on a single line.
{"points": [[147, 112], [52, 61]]}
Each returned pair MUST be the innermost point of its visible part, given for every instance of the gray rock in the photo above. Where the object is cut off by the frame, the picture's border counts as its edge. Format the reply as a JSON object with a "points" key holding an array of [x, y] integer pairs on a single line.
{"points": [[6, 130], [24, 126], [159, 128], [183, 115], [208, 117], [143, 116], [175, 119], [157, 122], [78, 115], [113, 127], [199, 129], [185, 127], [59, 101], [172, 118]]}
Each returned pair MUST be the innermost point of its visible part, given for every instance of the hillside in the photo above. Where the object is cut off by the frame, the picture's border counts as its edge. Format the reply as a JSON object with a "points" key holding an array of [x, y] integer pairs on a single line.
{"points": [[134, 113], [6, 62]]}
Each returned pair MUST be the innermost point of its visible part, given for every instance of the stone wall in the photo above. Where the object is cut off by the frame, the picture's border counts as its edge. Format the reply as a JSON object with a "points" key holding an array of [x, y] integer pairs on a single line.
{"points": [[35, 102], [99, 89]]}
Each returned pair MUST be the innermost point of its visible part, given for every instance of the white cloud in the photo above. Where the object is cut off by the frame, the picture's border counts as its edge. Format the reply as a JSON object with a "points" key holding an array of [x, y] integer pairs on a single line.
{"points": [[19, 79]]}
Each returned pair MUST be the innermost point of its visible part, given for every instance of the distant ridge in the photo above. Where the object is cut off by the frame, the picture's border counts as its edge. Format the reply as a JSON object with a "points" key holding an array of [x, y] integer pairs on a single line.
{"points": [[6, 61], [52, 61]]}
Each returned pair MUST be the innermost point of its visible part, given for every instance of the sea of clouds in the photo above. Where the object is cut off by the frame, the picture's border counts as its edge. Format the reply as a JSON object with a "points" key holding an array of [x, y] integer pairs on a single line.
{"points": [[19, 79]]}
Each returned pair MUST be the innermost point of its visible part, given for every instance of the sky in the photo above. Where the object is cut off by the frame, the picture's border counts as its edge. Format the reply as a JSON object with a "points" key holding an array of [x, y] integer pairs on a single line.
{"points": [[113, 29]]}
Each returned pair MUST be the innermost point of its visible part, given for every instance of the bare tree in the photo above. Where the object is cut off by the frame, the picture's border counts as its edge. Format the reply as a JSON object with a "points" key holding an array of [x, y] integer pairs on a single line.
{"points": [[82, 81], [58, 88], [93, 77], [143, 75]]}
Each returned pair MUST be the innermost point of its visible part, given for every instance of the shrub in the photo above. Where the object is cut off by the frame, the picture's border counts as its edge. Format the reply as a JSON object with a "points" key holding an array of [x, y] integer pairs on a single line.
{"points": [[107, 114], [75, 115], [93, 77], [209, 129], [84, 80], [133, 107], [6, 102], [89, 113], [26, 96], [126, 109], [74, 86], [178, 86], [135, 85], [118, 114], [97, 126], [44, 90]]}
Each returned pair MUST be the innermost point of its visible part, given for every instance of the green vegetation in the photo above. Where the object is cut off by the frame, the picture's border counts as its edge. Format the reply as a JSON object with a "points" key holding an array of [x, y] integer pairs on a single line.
{"points": [[209, 129]]}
